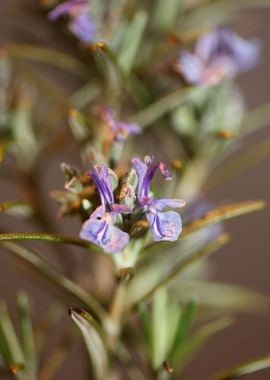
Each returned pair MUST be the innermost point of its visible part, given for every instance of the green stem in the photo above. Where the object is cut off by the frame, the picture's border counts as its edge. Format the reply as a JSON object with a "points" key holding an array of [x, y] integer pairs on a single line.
{"points": [[51, 238]]}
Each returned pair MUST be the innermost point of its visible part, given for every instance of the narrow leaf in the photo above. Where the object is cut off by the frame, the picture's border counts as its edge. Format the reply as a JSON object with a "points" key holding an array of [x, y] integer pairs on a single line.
{"points": [[70, 288], [199, 337], [132, 40], [12, 351], [4, 145], [222, 213], [185, 321], [17, 209], [93, 341], [48, 56], [156, 110], [166, 13], [174, 272], [48, 238], [27, 335], [244, 369]]}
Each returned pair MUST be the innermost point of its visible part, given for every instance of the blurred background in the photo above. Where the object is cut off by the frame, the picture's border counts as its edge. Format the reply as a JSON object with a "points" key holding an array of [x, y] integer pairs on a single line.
{"points": [[244, 261]]}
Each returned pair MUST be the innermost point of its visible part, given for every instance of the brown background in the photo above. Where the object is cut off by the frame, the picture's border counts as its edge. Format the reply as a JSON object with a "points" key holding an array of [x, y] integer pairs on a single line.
{"points": [[244, 261]]}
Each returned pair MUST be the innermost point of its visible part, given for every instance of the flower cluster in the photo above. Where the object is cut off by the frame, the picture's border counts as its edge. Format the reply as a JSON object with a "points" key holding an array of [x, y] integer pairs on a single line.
{"points": [[81, 23], [218, 54], [102, 227]]}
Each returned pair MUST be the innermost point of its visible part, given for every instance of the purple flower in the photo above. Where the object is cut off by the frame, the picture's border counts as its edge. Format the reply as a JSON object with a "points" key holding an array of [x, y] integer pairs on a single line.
{"points": [[166, 225], [100, 228], [80, 24], [120, 129], [218, 54]]}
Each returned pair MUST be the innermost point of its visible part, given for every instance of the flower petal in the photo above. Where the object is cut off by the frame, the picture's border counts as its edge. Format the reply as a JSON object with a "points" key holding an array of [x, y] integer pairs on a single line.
{"points": [[141, 169], [165, 225], [83, 27], [191, 67], [99, 230], [101, 177], [160, 204]]}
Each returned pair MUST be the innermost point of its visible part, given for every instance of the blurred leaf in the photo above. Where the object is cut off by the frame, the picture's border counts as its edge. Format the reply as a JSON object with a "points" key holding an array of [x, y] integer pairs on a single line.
{"points": [[17, 209], [147, 324], [248, 368], [184, 121], [132, 40], [159, 108], [70, 288], [217, 12], [235, 165], [93, 341], [5, 70], [48, 320], [222, 213], [199, 337], [137, 292], [48, 56], [26, 144], [4, 145], [160, 328], [222, 296], [55, 358], [27, 335], [184, 325], [166, 13], [10, 345], [77, 123]]}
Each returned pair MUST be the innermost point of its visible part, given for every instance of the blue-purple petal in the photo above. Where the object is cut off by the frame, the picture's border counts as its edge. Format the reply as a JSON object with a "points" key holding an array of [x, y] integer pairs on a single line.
{"points": [[101, 177], [160, 204], [100, 230], [191, 67], [165, 225], [141, 169], [83, 27]]}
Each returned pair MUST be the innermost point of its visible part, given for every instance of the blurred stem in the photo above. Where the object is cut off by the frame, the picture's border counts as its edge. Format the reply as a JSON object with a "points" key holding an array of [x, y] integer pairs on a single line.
{"points": [[114, 323]]}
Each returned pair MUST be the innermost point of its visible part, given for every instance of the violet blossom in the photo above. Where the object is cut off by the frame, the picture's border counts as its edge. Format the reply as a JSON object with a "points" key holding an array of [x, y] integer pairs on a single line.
{"points": [[120, 129], [165, 225], [100, 228], [81, 23], [218, 54]]}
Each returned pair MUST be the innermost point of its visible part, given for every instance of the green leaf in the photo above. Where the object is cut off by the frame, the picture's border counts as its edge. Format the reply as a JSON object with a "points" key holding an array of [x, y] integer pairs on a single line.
{"points": [[199, 337], [26, 145], [27, 335], [166, 13], [78, 125], [70, 288], [146, 322], [10, 345], [217, 12], [132, 41], [159, 108], [222, 213], [168, 275], [93, 341], [48, 56], [160, 328], [222, 296], [4, 145], [248, 368], [184, 325], [17, 209]]}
